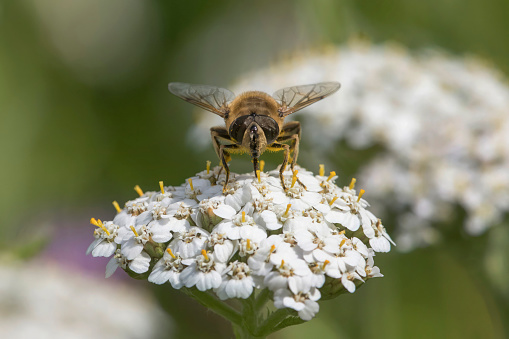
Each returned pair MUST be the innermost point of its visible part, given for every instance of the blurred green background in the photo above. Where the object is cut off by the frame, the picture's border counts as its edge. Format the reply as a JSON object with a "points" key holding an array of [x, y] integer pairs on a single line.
{"points": [[86, 115]]}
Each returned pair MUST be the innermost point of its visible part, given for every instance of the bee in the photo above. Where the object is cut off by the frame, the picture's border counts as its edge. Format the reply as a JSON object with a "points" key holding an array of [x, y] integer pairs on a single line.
{"points": [[254, 121]]}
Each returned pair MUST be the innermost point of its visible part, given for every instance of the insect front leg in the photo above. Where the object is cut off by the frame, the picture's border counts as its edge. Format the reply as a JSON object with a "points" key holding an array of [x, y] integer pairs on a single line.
{"points": [[286, 148], [291, 132], [220, 134]]}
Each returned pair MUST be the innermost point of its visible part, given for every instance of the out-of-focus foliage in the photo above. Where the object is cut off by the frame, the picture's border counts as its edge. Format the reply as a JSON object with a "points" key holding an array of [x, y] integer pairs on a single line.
{"points": [[85, 115]]}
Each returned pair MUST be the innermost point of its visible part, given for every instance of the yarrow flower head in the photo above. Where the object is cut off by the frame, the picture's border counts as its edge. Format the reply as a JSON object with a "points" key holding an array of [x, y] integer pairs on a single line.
{"points": [[256, 242]]}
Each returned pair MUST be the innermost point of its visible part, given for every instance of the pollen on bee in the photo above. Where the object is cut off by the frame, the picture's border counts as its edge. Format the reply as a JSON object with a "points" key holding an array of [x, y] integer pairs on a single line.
{"points": [[322, 170], [331, 175], [208, 167], [138, 190], [361, 193], [161, 185], [352, 183], [262, 165], [191, 183], [171, 253], [117, 207]]}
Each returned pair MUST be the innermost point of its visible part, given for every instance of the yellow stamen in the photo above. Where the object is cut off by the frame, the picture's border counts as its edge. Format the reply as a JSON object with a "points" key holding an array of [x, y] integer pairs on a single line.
{"points": [[352, 183], [294, 177], [262, 165], [117, 207], [332, 174], [243, 216], [99, 224], [287, 209], [208, 167], [342, 243], [171, 253], [191, 183], [272, 248], [204, 253], [333, 199], [282, 264], [161, 186], [138, 190], [325, 263], [361, 193], [248, 244], [134, 231], [342, 232], [258, 175], [322, 170]]}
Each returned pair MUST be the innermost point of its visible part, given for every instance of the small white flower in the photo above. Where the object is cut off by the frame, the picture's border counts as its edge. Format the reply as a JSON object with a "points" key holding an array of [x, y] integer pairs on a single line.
{"points": [[168, 268], [347, 279], [381, 242], [190, 244], [241, 226], [224, 248], [202, 272], [304, 302], [139, 264], [104, 245], [237, 282]]}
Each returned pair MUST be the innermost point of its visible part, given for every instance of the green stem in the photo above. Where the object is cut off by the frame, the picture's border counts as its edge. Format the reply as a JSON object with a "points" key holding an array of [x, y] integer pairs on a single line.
{"points": [[273, 322], [215, 305], [261, 300]]}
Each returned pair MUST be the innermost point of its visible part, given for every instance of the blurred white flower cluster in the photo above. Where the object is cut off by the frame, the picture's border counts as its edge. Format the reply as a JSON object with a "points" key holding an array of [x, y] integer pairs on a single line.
{"points": [[43, 300], [314, 240], [443, 123]]}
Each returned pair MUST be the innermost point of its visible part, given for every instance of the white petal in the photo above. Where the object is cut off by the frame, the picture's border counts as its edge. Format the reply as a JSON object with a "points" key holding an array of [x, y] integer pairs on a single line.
{"points": [[225, 211], [270, 219], [131, 249], [104, 249], [159, 274], [140, 264], [308, 312], [93, 245], [111, 267], [380, 244]]}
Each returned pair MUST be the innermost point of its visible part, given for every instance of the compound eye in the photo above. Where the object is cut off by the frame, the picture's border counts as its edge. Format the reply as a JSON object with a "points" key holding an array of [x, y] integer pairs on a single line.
{"points": [[239, 126], [269, 126]]}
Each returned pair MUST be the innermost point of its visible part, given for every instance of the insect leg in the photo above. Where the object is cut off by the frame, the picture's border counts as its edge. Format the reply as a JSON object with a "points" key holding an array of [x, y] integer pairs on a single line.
{"points": [[220, 134], [281, 147], [291, 132], [224, 156]]}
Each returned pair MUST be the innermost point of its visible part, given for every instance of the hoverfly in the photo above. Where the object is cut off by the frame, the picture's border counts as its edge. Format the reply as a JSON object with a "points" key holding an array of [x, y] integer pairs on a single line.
{"points": [[254, 121]]}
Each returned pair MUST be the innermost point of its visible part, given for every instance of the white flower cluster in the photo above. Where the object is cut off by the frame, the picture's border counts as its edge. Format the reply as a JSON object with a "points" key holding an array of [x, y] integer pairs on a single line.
{"points": [[443, 123], [313, 239]]}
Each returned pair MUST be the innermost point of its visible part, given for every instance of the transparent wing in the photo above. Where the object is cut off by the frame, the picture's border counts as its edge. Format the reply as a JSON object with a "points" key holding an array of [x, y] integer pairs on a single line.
{"points": [[292, 99], [210, 98]]}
